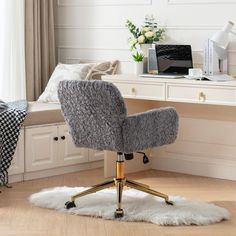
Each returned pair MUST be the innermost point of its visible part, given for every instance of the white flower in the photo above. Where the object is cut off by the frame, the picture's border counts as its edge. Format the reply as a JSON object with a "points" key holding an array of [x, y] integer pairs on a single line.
{"points": [[133, 41], [145, 29], [149, 34], [141, 39], [163, 37]]}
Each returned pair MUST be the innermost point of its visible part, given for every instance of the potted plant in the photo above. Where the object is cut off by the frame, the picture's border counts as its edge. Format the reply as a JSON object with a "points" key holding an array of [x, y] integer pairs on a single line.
{"points": [[138, 65]]}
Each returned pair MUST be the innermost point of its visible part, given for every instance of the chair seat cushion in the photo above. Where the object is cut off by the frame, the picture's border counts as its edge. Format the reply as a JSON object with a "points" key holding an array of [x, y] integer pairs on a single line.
{"points": [[43, 113]]}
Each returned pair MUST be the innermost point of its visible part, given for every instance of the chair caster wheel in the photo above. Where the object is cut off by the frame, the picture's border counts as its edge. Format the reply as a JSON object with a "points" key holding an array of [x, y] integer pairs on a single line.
{"points": [[170, 203], [69, 205], [119, 213]]}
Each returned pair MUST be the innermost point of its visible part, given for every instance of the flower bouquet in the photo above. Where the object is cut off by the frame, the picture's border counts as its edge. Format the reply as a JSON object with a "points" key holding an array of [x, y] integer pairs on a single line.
{"points": [[146, 34]]}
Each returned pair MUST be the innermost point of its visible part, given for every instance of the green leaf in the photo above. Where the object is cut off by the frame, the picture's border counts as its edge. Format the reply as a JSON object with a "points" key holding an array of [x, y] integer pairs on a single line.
{"points": [[138, 56]]}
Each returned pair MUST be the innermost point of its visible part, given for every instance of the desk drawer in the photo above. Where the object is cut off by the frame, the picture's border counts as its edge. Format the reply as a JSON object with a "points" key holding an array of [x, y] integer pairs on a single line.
{"points": [[201, 94], [155, 91]]}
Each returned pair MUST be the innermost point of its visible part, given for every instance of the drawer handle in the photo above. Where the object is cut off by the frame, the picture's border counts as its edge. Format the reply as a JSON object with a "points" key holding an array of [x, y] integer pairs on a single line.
{"points": [[133, 90], [63, 137], [55, 138], [202, 97]]}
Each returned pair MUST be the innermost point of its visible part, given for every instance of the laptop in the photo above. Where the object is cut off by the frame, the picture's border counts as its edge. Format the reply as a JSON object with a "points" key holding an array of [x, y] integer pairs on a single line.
{"points": [[173, 61]]}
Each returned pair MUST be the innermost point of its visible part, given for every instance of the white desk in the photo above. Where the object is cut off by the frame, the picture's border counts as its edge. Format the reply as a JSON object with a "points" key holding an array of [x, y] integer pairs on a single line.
{"points": [[206, 144], [176, 90]]}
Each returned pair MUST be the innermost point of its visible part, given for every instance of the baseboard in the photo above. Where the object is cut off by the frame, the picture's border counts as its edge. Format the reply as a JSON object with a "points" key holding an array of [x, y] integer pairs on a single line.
{"points": [[193, 167], [55, 171], [16, 178]]}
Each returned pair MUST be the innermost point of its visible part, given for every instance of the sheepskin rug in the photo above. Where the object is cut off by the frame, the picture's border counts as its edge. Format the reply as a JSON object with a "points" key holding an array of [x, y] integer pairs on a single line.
{"points": [[138, 206]]}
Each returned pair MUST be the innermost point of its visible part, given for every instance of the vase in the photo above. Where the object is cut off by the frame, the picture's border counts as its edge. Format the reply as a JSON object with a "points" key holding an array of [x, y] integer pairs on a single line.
{"points": [[138, 67], [144, 48]]}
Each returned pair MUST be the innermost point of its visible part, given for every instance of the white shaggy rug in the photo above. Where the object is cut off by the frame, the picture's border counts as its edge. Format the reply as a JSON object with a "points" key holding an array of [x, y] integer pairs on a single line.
{"points": [[138, 206]]}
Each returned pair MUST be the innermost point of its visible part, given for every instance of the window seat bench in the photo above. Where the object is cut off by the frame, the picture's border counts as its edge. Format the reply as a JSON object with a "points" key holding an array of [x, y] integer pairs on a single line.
{"points": [[45, 147]]}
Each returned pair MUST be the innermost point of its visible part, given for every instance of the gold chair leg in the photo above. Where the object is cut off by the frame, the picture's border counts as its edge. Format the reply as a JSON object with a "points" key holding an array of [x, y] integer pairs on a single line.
{"points": [[137, 183], [95, 188], [119, 187], [120, 181], [140, 187]]}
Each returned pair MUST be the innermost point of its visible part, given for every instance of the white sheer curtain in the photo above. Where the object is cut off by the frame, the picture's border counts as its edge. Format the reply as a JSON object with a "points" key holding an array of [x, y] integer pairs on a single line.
{"points": [[12, 50]]}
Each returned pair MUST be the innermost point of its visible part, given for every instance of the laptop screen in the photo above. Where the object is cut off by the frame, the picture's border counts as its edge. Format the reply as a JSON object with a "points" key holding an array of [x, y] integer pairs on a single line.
{"points": [[174, 59]]}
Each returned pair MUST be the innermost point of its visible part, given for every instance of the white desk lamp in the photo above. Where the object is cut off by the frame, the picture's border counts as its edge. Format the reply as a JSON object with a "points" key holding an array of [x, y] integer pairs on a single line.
{"points": [[215, 53]]}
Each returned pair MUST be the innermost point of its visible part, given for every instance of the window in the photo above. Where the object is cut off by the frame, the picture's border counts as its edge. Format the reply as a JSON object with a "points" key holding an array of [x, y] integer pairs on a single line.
{"points": [[12, 50]]}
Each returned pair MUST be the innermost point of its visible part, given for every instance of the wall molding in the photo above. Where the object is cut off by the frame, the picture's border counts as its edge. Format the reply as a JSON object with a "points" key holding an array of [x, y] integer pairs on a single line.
{"points": [[120, 27], [71, 59], [194, 160], [88, 27], [199, 2], [121, 49], [197, 63], [92, 3], [195, 167], [197, 157], [102, 49]]}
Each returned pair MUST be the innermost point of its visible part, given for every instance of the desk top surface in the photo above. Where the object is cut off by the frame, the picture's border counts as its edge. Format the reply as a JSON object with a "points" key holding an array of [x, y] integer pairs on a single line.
{"points": [[137, 79]]}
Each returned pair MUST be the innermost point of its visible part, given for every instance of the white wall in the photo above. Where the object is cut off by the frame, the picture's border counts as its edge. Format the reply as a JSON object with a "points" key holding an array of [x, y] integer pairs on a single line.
{"points": [[95, 29]]}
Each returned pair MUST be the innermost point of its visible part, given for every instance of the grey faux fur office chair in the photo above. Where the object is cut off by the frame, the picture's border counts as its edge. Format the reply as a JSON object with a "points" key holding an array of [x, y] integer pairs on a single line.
{"points": [[96, 114]]}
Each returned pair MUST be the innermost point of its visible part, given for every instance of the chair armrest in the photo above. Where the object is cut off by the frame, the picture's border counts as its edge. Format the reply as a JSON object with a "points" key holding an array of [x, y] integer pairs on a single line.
{"points": [[150, 129]]}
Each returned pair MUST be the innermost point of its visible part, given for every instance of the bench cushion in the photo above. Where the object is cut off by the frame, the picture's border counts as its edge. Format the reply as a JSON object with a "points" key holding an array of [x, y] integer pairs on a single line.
{"points": [[43, 113]]}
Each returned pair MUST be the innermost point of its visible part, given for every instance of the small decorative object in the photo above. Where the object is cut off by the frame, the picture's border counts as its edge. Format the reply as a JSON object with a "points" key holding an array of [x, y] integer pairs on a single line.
{"points": [[215, 52], [138, 65], [146, 34], [195, 73]]}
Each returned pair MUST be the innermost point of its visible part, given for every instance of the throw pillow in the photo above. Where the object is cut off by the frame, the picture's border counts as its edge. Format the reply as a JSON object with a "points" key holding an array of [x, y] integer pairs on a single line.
{"points": [[63, 72], [103, 68]]}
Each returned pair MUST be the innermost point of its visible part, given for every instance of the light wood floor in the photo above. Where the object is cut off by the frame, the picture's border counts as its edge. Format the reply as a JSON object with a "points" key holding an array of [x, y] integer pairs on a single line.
{"points": [[18, 217]]}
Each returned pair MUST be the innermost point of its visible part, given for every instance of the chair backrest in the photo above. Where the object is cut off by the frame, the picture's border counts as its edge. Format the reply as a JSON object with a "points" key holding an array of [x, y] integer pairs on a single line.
{"points": [[95, 112]]}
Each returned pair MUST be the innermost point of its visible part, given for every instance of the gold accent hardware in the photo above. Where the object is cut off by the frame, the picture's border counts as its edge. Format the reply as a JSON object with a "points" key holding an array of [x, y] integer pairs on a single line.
{"points": [[202, 97], [119, 187], [133, 90], [94, 189], [120, 182], [140, 187], [120, 167], [153, 72]]}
